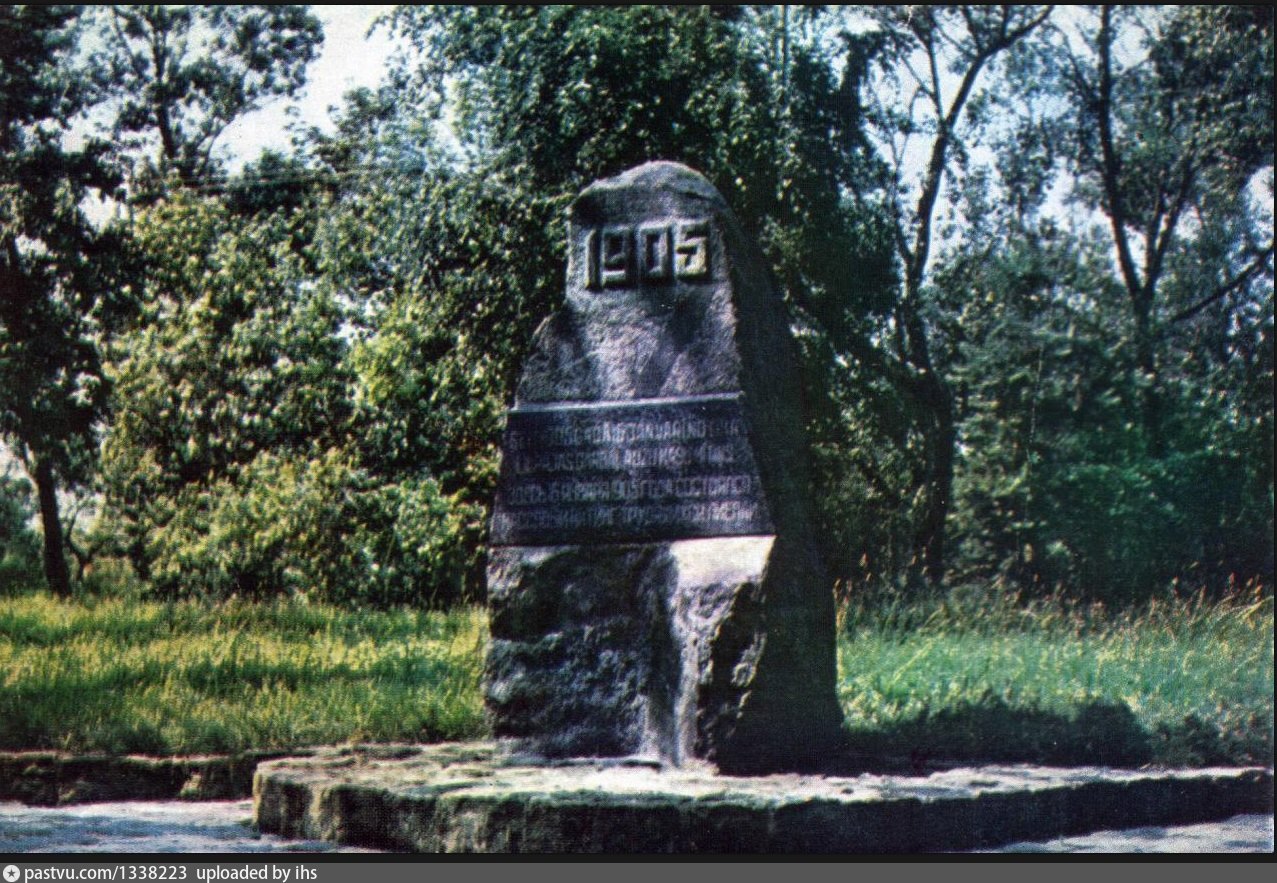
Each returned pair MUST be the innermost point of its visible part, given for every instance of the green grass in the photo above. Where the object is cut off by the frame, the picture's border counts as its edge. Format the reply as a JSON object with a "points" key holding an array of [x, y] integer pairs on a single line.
{"points": [[1182, 682], [134, 676]]}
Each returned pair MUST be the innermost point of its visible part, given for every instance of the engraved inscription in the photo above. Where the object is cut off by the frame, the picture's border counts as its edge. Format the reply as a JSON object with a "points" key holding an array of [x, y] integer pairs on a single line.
{"points": [[628, 472], [654, 254], [691, 249], [615, 257]]}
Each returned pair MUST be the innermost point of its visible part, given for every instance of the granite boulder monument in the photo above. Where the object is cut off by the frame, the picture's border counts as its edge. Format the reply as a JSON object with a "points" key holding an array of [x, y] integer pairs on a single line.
{"points": [[654, 585]]}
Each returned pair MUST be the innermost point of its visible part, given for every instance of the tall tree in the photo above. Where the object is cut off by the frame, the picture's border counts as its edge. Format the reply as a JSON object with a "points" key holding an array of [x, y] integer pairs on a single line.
{"points": [[1168, 136], [929, 63], [53, 297], [235, 366], [182, 74], [19, 544], [1114, 434], [235, 463], [457, 249]]}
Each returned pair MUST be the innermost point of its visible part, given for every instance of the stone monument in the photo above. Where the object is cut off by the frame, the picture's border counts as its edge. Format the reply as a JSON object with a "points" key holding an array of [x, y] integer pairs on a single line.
{"points": [[654, 585], [656, 595]]}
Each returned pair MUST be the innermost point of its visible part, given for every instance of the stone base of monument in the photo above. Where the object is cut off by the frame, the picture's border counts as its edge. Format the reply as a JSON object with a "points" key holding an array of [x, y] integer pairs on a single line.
{"points": [[468, 797]]}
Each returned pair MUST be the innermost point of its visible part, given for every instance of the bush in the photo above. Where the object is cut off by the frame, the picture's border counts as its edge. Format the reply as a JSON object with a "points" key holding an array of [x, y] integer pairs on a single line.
{"points": [[19, 544], [317, 528], [1123, 531]]}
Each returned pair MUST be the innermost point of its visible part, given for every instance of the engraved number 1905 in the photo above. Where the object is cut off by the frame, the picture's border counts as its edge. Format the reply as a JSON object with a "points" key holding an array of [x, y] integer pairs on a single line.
{"points": [[651, 253]]}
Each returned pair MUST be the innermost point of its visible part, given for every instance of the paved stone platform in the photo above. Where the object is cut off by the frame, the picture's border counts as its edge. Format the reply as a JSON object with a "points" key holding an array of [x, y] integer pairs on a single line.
{"points": [[461, 797], [55, 778], [225, 826], [132, 826]]}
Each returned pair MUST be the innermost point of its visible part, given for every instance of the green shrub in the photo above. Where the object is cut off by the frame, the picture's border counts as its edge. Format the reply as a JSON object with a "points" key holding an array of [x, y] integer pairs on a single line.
{"points": [[19, 544], [320, 529]]}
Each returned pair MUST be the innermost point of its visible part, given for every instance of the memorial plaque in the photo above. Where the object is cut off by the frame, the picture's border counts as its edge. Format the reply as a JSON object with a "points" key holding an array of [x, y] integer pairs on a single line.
{"points": [[653, 585], [631, 472]]}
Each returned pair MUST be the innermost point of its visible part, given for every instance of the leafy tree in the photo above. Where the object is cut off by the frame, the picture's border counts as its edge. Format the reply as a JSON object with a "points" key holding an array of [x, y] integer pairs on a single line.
{"points": [[1166, 142], [54, 292], [1172, 121], [455, 251], [922, 84], [411, 248], [234, 464], [1102, 452], [272, 182], [235, 356], [310, 399], [1043, 486], [19, 545], [182, 74]]}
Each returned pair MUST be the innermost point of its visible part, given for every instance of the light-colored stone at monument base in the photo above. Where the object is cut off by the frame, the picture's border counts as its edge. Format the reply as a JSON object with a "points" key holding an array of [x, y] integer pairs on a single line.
{"points": [[661, 651], [459, 797]]}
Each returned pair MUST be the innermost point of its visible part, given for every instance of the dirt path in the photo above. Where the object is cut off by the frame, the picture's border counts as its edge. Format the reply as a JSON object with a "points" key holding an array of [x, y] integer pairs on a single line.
{"points": [[1250, 833]]}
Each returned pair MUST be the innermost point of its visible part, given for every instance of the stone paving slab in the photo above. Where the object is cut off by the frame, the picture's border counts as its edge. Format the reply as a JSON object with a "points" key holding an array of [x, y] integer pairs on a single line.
{"points": [[162, 826], [463, 797], [55, 778], [225, 826], [1240, 834]]}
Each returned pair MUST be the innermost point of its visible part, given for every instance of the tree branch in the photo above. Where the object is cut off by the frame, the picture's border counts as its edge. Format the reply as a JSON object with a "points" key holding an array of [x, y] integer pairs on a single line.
{"points": [[1110, 170], [1027, 27], [1228, 287], [878, 483], [947, 122], [1162, 240], [933, 65]]}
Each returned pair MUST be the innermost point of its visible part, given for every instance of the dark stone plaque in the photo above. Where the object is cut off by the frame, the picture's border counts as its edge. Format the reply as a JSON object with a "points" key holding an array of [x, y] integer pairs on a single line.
{"points": [[628, 472]]}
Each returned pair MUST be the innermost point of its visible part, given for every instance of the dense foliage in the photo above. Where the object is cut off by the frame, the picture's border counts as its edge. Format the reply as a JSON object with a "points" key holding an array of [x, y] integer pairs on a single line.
{"points": [[180, 75], [55, 293], [1027, 254]]}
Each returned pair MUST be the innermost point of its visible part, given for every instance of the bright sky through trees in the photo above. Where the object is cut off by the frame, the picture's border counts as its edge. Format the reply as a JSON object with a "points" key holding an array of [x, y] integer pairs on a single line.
{"points": [[350, 58]]}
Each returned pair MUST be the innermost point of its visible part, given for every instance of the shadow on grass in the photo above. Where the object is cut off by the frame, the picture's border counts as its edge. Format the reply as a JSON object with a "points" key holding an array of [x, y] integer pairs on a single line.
{"points": [[1095, 733]]}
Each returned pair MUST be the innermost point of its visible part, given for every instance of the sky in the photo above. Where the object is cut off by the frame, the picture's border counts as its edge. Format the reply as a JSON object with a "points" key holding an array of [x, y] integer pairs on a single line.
{"points": [[349, 59]]}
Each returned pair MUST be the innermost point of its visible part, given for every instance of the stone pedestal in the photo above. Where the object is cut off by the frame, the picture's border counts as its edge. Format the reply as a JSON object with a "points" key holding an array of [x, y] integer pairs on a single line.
{"points": [[654, 585], [465, 798]]}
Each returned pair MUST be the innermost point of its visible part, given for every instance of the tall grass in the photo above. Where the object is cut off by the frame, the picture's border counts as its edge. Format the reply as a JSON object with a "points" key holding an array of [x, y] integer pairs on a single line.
{"points": [[1177, 681], [972, 676], [131, 676]]}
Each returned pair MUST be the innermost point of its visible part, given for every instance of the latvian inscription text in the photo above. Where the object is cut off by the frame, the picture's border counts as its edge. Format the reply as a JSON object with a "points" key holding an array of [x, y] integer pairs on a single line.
{"points": [[628, 472]]}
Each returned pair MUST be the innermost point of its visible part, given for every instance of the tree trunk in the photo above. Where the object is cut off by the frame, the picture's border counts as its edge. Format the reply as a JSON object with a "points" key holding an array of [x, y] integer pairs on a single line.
{"points": [[56, 573], [1146, 358], [941, 442]]}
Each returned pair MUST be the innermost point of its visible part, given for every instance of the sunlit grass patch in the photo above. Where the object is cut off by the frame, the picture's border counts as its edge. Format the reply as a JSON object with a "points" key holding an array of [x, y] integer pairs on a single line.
{"points": [[120, 675], [968, 677], [1175, 682]]}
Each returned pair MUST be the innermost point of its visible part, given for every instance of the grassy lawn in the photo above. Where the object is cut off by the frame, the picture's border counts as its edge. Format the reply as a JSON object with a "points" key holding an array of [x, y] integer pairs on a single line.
{"points": [[1176, 683], [130, 676]]}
